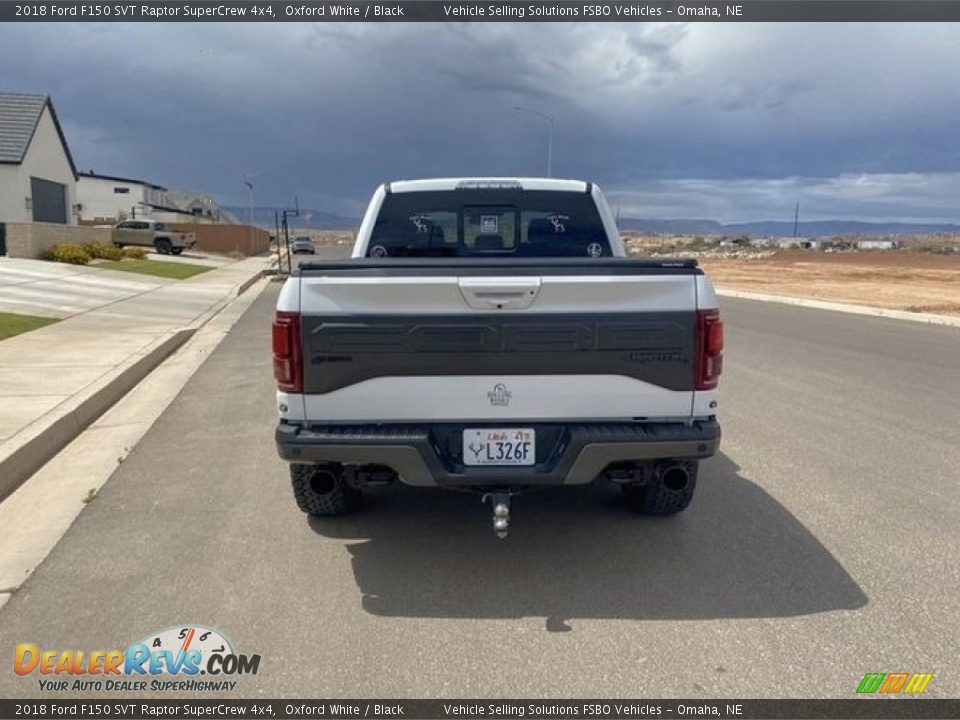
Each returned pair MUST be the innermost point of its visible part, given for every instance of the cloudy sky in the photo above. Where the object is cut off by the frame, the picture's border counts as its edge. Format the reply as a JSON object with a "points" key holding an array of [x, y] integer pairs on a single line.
{"points": [[722, 121]]}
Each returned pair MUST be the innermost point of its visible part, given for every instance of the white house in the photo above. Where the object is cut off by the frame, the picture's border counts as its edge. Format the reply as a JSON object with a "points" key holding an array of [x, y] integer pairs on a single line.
{"points": [[108, 199], [37, 174]]}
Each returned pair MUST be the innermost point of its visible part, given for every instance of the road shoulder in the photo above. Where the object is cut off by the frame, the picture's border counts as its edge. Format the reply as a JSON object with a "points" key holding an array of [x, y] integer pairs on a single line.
{"points": [[843, 307]]}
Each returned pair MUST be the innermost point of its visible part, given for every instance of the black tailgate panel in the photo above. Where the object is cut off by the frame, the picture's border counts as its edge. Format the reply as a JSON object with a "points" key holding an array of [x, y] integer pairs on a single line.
{"points": [[656, 347]]}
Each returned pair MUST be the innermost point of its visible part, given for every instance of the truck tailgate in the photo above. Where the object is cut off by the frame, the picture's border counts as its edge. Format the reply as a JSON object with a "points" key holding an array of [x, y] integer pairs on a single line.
{"points": [[449, 340]]}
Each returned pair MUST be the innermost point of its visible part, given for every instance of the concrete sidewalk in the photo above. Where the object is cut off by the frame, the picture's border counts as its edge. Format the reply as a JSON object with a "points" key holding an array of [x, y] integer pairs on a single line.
{"points": [[57, 380]]}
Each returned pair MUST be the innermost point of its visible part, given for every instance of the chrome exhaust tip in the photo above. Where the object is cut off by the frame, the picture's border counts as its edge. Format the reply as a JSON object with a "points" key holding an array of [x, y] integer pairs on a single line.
{"points": [[674, 477]]}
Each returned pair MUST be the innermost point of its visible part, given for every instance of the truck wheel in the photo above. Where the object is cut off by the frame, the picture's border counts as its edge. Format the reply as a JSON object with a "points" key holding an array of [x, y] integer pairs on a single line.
{"points": [[164, 247], [321, 490], [669, 491]]}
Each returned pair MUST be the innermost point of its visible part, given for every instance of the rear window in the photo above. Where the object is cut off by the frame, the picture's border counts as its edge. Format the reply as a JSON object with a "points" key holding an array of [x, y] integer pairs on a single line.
{"points": [[488, 222]]}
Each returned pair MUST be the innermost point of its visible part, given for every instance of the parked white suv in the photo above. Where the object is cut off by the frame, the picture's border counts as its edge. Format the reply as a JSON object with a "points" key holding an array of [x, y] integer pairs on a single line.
{"points": [[303, 244]]}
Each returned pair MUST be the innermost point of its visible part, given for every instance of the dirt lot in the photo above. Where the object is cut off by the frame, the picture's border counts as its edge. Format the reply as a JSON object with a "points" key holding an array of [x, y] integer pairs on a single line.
{"points": [[901, 279]]}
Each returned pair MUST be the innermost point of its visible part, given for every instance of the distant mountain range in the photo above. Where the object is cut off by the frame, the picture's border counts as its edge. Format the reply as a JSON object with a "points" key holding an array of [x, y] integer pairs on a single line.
{"points": [[775, 228], [319, 220], [308, 219]]}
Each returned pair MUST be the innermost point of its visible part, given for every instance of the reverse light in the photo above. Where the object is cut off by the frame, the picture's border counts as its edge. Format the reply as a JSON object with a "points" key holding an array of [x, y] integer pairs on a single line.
{"points": [[287, 352], [709, 349]]}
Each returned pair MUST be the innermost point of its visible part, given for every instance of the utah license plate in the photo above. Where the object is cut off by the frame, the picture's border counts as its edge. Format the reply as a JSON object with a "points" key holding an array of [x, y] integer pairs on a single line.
{"points": [[499, 446]]}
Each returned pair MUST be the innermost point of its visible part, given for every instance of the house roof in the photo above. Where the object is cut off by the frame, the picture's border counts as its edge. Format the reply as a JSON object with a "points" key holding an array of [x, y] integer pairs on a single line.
{"points": [[20, 114], [166, 208], [114, 178]]}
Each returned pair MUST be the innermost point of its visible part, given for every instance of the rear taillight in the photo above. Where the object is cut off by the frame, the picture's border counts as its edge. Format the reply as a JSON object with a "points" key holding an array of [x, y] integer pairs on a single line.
{"points": [[709, 349], [287, 368]]}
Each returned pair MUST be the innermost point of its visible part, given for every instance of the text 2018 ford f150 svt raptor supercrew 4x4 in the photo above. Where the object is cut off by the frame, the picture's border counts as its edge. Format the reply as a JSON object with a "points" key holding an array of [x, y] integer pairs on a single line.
{"points": [[490, 334]]}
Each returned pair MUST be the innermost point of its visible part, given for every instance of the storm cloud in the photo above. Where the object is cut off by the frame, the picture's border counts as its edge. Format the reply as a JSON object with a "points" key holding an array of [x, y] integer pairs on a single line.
{"points": [[723, 121]]}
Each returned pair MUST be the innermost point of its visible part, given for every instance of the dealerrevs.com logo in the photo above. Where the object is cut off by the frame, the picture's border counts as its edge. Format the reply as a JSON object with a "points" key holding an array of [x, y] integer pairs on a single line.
{"points": [[168, 660]]}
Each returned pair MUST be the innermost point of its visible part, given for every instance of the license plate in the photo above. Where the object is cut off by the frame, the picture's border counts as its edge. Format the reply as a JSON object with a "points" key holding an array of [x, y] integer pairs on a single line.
{"points": [[499, 446]]}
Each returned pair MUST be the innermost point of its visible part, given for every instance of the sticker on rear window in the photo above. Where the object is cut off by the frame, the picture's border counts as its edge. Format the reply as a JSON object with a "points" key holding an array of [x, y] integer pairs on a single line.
{"points": [[594, 249], [378, 251], [557, 222], [488, 224], [421, 223]]}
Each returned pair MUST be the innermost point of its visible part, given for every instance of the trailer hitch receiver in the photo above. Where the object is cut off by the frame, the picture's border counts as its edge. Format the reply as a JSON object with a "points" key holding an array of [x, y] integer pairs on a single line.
{"points": [[501, 512]]}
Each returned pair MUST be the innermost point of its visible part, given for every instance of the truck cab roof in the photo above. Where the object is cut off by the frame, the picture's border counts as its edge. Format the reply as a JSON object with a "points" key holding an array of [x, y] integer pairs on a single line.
{"points": [[519, 183]]}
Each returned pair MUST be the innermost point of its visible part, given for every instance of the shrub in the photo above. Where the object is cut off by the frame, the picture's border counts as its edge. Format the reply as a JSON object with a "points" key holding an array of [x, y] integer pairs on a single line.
{"points": [[134, 253], [68, 253], [103, 251]]}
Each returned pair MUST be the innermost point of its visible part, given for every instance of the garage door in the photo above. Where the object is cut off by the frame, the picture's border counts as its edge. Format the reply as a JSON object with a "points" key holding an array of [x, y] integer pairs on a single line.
{"points": [[49, 201]]}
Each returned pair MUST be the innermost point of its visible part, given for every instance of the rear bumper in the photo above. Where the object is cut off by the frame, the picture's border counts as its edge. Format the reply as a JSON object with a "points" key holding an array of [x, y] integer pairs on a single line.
{"points": [[427, 455]]}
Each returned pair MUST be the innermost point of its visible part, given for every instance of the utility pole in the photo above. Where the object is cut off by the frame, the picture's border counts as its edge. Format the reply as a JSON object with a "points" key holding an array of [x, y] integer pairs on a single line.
{"points": [[276, 236], [286, 230], [796, 219], [249, 185], [549, 119]]}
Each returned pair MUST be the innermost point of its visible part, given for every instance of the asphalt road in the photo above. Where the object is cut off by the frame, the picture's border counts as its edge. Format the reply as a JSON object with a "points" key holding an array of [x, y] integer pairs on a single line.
{"points": [[822, 544]]}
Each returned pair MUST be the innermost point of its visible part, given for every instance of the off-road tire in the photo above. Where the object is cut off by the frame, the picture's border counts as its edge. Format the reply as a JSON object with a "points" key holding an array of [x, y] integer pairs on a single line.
{"points": [[164, 247], [656, 497], [321, 490]]}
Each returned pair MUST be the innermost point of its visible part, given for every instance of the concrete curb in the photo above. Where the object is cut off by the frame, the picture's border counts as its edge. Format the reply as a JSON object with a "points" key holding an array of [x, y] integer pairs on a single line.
{"points": [[47, 438], [843, 307], [245, 285], [218, 306]]}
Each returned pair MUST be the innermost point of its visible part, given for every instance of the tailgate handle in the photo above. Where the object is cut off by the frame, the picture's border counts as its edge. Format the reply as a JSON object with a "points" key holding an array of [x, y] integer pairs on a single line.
{"points": [[499, 293]]}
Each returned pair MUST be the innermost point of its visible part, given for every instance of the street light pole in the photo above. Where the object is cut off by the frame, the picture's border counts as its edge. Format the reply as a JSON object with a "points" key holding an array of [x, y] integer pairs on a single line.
{"points": [[549, 119]]}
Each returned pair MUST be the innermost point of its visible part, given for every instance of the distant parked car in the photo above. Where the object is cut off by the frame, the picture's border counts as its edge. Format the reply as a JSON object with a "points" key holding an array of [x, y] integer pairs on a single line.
{"points": [[152, 233], [303, 244]]}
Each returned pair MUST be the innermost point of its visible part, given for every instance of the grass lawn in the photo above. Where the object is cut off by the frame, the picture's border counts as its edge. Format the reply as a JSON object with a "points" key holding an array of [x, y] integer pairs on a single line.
{"points": [[11, 324], [173, 270]]}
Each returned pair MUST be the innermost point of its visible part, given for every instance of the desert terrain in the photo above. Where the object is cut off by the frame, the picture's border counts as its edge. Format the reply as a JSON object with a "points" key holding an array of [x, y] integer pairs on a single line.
{"points": [[922, 276], [893, 279]]}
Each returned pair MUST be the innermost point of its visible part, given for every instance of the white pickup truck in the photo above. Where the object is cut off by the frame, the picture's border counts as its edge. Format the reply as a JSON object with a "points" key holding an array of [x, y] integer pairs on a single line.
{"points": [[490, 335]]}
